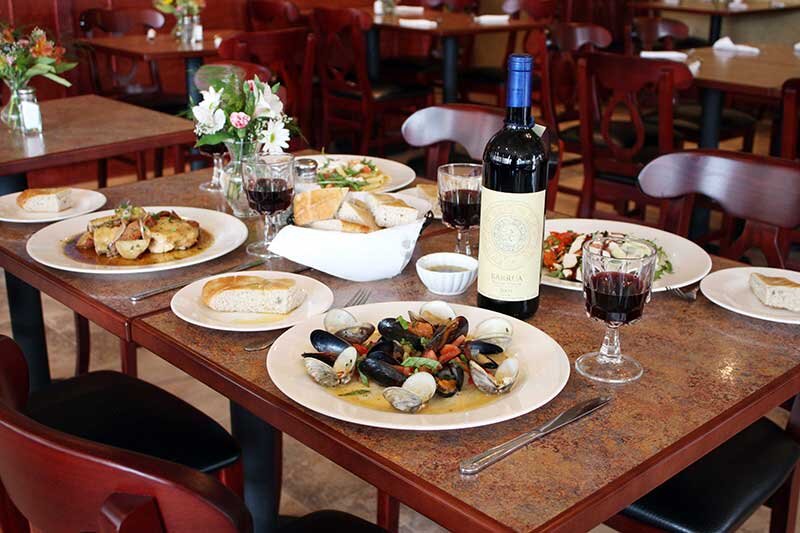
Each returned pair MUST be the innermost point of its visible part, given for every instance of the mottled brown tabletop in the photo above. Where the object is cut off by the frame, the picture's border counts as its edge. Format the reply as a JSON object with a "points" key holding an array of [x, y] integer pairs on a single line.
{"points": [[164, 46], [85, 128], [450, 23], [708, 374]]}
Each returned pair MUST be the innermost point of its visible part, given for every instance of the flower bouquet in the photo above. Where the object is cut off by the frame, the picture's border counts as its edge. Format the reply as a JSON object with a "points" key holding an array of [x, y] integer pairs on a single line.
{"points": [[187, 14], [23, 57]]}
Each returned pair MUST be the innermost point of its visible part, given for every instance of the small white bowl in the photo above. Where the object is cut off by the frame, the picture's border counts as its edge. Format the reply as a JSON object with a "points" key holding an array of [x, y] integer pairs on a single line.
{"points": [[447, 283]]}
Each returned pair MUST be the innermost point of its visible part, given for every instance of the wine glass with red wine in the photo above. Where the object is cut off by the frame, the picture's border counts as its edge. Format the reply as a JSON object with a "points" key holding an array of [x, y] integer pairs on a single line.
{"points": [[269, 185], [617, 277], [460, 199]]}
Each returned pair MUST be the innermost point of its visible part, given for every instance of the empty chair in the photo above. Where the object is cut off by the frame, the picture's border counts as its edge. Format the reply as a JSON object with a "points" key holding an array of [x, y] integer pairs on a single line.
{"points": [[763, 191], [657, 33], [273, 15], [351, 102], [790, 121], [616, 143]]}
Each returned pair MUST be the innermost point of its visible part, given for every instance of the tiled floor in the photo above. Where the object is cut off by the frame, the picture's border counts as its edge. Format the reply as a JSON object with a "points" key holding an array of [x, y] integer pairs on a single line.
{"points": [[310, 481]]}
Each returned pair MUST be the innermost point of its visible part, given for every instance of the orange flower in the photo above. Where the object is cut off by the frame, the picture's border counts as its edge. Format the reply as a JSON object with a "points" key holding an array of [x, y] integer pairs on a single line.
{"points": [[58, 53], [43, 48], [8, 35]]}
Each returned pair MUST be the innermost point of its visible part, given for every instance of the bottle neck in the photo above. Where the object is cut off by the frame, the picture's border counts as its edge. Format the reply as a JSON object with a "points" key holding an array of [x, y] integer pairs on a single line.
{"points": [[519, 116]]}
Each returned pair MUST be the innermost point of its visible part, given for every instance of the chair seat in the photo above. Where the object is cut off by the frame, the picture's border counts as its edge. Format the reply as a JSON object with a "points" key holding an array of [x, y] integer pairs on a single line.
{"points": [[416, 63], [326, 521], [721, 490], [118, 410], [382, 92], [688, 120], [622, 133]]}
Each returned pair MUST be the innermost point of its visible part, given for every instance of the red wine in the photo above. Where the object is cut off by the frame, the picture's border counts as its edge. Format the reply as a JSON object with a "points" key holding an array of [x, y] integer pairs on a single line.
{"points": [[461, 208], [615, 297], [512, 204], [269, 196]]}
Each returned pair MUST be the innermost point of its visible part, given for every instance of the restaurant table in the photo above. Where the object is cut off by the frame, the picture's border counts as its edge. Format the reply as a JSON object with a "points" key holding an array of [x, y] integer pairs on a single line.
{"points": [[716, 10], [450, 27], [75, 130]]}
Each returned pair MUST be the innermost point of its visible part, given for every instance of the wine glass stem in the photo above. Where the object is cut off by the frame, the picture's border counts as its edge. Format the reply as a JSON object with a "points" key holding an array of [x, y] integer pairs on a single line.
{"points": [[219, 164], [267, 229], [462, 242], [610, 350]]}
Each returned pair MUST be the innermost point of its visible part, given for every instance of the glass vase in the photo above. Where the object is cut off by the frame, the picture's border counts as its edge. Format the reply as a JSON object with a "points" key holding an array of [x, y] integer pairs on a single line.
{"points": [[10, 114], [232, 182]]}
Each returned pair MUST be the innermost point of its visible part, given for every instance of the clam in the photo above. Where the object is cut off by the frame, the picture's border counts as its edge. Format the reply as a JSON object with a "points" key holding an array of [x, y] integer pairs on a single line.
{"points": [[437, 312], [503, 378], [497, 331], [331, 376], [344, 325], [412, 396]]}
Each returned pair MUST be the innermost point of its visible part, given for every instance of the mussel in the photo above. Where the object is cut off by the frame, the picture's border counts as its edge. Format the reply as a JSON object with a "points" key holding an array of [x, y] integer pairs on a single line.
{"points": [[378, 369], [388, 347], [392, 330], [503, 378], [449, 380], [326, 342], [449, 333], [412, 396], [332, 375], [480, 352], [344, 325]]}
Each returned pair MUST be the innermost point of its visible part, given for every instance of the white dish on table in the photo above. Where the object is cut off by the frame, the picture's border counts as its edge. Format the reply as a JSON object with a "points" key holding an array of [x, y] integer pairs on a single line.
{"points": [[447, 283], [400, 175], [188, 305], [83, 201], [544, 370], [730, 288]]}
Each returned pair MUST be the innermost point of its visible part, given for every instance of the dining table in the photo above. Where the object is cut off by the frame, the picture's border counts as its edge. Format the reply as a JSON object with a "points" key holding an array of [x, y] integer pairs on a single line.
{"points": [[716, 10], [450, 26], [75, 130], [708, 374]]}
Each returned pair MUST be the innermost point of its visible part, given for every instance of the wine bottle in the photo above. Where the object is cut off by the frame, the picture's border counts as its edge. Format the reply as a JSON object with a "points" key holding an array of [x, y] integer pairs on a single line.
{"points": [[512, 204]]}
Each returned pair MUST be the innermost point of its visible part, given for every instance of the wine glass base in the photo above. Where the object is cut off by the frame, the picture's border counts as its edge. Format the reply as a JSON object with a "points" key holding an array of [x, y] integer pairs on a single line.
{"points": [[598, 367], [259, 249], [210, 186]]}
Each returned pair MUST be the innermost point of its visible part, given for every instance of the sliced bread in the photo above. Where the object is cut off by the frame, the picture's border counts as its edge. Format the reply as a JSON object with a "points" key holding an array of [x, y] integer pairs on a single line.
{"points": [[46, 200], [776, 292], [339, 225], [357, 212], [317, 204], [252, 294], [390, 211]]}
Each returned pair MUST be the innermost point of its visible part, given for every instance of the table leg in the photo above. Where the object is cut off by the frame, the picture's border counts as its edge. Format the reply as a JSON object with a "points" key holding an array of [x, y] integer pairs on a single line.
{"points": [[709, 138], [373, 53], [258, 441], [192, 65], [715, 28], [450, 68], [25, 307]]}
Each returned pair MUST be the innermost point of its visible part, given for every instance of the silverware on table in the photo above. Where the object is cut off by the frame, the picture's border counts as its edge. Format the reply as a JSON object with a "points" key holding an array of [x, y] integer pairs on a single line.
{"points": [[147, 294], [477, 463], [685, 295], [258, 346]]}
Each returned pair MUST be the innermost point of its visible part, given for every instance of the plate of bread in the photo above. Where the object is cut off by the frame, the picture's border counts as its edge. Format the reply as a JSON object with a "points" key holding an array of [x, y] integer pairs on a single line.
{"points": [[134, 239], [256, 300], [359, 173], [765, 293], [50, 204]]}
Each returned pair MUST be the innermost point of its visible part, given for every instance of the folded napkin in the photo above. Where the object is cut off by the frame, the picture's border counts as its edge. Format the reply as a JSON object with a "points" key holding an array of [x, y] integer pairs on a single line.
{"points": [[668, 55], [419, 24], [738, 6], [726, 45], [672, 2], [408, 10], [694, 67], [797, 48], [492, 19]]}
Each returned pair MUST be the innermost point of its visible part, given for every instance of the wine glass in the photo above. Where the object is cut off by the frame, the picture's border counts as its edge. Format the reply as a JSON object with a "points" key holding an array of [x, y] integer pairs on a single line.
{"points": [[617, 278], [217, 153], [269, 185], [460, 199]]}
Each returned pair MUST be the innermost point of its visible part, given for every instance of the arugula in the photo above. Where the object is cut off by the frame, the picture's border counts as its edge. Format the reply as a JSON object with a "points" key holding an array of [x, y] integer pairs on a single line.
{"points": [[418, 362], [357, 392]]}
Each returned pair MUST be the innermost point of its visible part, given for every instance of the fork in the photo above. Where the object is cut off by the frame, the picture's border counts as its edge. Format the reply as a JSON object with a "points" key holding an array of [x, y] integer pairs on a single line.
{"points": [[359, 298], [686, 296]]}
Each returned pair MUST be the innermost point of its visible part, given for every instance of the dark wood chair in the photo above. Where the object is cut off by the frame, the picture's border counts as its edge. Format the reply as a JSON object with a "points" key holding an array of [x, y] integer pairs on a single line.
{"points": [[273, 15], [350, 101], [655, 33], [615, 149], [763, 191], [790, 121]]}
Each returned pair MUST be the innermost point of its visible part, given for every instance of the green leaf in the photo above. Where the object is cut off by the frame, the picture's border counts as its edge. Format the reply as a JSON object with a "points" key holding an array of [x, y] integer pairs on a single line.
{"points": [[57, 79], [64, 66], [214, 138], [357, 392], [362, 377], [403, 322], [418, 362]]}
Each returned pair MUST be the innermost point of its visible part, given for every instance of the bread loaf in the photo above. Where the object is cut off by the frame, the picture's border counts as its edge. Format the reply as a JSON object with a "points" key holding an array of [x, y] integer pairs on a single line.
{"points": [[252, 294], [317, 204], [390, 211], [776, 292], [46, 200]]}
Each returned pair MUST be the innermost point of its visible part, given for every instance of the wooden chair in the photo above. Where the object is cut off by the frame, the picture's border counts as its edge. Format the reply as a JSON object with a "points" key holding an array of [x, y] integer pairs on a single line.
{"points": [[615, 149], [437, 128], [790, 122], [652, 33], [273, 15], [763, 191], [350, 101]]}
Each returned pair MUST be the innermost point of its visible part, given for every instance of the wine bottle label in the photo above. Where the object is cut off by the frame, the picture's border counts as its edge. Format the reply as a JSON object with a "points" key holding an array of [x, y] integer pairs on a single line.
{"points": [[510, 255]]}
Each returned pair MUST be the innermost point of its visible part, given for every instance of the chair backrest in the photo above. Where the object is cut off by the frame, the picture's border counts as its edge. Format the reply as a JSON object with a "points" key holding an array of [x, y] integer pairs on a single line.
{"points": [[765, 191], [649, 31], [272, 15], [118, 22], [61, 483], [341, 50], [790, 122]]}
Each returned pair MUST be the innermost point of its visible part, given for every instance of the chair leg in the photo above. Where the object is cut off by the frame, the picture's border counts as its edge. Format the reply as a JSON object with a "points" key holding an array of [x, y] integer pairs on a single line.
{"points": [[82, 345], [127, 353], [388, 512], [158, 162], [141, 166], [102, 173], [748, 139], [11, 520], [180, 160], [784, 505], [366, 133], [233, 478]]}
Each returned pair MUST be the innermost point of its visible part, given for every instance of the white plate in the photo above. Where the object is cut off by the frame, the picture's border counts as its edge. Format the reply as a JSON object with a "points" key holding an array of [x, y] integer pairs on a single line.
{"points": [[46, 246], [83, 201], [188, 305], [730, 288], [400, 175], [690, 263], [544, 370]]}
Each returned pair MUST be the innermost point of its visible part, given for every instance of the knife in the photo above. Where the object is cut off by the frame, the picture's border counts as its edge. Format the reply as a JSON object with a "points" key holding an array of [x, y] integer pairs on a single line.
{"points": [[477, 463]]}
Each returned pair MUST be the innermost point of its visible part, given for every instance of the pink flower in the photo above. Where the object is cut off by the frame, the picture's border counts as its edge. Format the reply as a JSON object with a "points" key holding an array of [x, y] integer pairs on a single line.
{"points": [[240, 120], [251, 85]]}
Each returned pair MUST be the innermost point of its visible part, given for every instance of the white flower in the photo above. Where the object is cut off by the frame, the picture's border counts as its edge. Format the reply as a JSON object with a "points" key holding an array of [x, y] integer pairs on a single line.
{"points": [[268, 104], [208, 120], [275, 138], [211, 98]]}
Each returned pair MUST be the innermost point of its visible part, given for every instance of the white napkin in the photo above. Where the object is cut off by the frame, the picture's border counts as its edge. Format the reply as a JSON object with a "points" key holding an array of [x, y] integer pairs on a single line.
{"points": [[492, 19], [738, 6], [419, 24], [666, 54], [694, 67], [672, 2], [726, 45], [408, 10], [777, 4], [797, 48]]}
